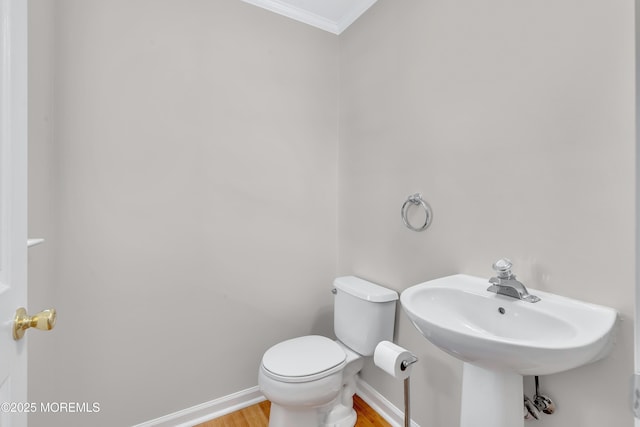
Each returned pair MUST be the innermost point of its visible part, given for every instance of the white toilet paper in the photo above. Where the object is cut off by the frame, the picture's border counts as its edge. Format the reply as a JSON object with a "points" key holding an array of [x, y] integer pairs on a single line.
{"points": [[389, 357]]}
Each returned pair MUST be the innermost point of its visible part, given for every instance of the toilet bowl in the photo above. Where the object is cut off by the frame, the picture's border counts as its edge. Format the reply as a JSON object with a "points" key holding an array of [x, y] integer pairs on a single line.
{"points": [[311, 380], [306, 378]]}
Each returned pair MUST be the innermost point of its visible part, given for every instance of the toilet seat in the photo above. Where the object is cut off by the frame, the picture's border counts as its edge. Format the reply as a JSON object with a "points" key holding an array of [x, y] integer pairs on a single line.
{"points": [[303, 359]]}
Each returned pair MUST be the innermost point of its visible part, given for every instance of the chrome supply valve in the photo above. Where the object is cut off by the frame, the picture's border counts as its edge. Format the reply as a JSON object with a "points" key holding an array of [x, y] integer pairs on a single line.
{"points": [[530, 409], [505, 282], [540, 403]]}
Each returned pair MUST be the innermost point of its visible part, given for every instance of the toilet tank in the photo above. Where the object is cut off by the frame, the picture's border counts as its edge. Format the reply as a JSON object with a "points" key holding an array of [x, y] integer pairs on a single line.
{"points": [[364, 313]]}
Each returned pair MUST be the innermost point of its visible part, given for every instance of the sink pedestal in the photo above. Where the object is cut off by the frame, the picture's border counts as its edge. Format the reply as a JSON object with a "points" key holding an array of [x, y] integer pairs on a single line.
{"points": [[491, 398]]}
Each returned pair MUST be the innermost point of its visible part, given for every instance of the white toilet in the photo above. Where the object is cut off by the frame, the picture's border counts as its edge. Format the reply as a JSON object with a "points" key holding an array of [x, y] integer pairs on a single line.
{"points": [[311, 380]]}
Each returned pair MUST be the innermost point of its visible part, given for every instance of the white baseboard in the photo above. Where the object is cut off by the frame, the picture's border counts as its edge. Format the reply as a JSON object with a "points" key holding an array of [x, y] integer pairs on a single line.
{"points": [[209, 410], [381, 404], [225, 405]]}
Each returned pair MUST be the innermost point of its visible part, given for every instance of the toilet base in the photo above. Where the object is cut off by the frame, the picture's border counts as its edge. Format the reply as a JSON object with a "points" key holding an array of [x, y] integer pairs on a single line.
{"points": [[341, 416], [332, 415], [281, 416]]}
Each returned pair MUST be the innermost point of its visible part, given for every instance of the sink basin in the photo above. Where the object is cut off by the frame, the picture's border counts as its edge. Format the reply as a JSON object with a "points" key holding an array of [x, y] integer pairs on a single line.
{"points": [[500, 339], [459, 315]]}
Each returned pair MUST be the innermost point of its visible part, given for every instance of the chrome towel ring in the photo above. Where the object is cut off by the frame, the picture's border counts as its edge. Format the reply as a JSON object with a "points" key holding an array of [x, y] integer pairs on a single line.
{"points": [[417, 200]]}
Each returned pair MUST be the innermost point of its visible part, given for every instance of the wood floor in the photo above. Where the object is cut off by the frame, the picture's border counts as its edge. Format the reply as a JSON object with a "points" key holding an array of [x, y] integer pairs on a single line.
{"points": [[258, 416]]}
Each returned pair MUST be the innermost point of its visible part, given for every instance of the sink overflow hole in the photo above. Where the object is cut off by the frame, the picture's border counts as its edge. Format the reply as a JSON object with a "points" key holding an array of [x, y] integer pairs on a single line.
{"points": [[501, 310]]}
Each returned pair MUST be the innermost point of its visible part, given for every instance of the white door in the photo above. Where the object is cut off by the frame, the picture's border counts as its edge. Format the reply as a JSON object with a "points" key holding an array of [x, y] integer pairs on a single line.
{"points": [[636, 391], [13, 208]]}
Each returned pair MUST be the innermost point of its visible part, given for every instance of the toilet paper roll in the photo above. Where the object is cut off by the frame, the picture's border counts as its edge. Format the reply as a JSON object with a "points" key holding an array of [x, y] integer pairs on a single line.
{"points": [[389, 357]]}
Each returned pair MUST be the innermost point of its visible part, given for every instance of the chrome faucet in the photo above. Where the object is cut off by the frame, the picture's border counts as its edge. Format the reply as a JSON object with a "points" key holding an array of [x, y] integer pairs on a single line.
{"points": [[506, 284]]}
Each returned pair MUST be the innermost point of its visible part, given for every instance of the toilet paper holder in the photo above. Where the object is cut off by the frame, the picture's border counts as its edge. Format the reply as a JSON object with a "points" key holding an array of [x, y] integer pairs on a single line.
{"points": [[406, 363], [396, 361], [407, 390]]}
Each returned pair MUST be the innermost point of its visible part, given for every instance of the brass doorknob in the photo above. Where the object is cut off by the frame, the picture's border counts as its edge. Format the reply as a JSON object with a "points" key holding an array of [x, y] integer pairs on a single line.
{"points": [[45, 321]]}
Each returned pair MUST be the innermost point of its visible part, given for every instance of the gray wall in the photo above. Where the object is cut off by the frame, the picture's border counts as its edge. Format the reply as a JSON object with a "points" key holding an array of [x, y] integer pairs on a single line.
{"points": [[194, 175], [516, 122], [186, 172]]}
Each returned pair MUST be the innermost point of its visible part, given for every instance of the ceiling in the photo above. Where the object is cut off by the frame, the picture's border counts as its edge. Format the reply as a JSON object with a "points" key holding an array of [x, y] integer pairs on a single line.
{"points": [[329, 15]]}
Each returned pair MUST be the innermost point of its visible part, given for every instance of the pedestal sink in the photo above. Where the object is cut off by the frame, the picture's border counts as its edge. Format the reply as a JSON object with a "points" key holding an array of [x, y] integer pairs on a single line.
{"points": [[501, 338]]}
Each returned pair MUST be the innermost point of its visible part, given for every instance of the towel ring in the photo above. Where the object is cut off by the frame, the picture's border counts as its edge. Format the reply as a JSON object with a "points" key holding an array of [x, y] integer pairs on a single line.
{"points": [[416, 199]]}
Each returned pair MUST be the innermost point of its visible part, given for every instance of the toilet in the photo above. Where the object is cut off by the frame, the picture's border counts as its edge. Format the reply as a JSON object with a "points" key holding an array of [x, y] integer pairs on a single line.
{"points": [[311, 380]]}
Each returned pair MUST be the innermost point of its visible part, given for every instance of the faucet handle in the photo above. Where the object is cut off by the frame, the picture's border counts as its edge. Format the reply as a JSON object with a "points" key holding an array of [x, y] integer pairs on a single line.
{"points": [[503, 268]]}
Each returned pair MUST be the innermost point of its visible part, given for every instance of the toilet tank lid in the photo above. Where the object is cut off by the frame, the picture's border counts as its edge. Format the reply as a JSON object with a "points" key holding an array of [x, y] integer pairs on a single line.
{"points": [[364, 290]]}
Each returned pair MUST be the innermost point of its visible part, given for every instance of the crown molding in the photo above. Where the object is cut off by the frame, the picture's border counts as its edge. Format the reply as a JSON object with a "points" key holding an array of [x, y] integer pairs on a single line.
{"points": [[313, 19], [356, 11]]}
